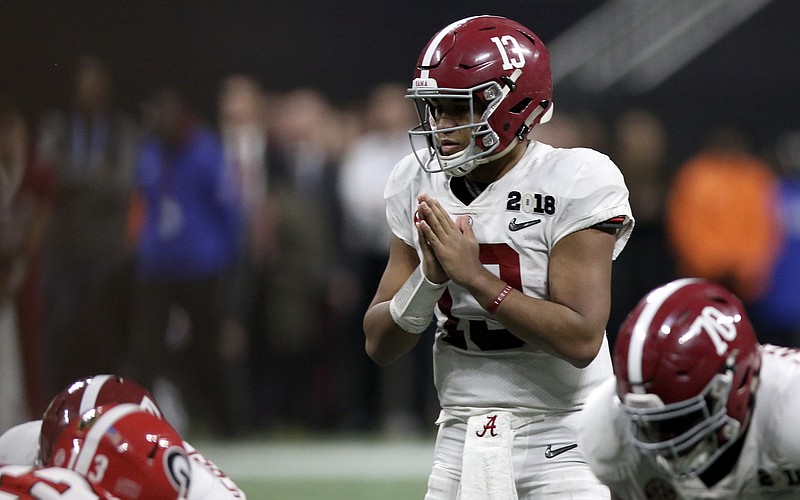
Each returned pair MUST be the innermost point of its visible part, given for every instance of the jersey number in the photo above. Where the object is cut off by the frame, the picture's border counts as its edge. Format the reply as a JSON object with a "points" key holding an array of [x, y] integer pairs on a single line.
{"points": [[50, 483], [507, 259]]}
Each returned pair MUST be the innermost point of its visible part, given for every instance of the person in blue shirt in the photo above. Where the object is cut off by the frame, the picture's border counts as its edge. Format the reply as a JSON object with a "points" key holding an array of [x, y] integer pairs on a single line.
{"points": [[186, 247], [776, 313]]}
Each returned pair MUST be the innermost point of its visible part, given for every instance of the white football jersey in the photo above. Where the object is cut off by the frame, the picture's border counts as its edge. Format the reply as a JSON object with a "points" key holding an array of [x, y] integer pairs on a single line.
{"points": [[767, 467], [25, 482], [549, 194], [20, 446], [208, 481]]}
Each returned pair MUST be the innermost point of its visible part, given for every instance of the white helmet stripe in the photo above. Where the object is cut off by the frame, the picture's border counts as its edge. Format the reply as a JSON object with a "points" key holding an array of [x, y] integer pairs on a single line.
{"points": [[426, 60], [636, 348], [89, 399], [96, 432]]}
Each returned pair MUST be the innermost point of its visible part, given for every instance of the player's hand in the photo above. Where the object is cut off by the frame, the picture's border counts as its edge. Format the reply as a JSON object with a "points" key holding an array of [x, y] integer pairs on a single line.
{"points": [[431, 267], [453, 242]]}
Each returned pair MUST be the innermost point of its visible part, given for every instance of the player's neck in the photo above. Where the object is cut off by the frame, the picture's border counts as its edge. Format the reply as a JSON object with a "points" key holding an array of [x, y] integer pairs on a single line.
{"points": [[490, 172]]}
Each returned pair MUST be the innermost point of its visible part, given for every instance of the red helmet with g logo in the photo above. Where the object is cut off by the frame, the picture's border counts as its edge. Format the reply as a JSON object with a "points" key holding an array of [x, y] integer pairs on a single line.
{"points": [[489, 61], [687, 363], [85, 394], [133, 454]]}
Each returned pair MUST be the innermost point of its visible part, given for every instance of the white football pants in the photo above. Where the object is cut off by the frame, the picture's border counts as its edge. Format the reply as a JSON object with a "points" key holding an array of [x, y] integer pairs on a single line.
{"points": [[547, 464]]}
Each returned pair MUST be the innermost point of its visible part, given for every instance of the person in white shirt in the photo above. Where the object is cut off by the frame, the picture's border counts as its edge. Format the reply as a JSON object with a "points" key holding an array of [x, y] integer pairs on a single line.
{"points": [[697, 408]]}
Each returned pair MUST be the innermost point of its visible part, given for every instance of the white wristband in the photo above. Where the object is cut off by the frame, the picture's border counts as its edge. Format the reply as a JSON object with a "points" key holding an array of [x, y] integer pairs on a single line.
{"points": [[412, 305]]}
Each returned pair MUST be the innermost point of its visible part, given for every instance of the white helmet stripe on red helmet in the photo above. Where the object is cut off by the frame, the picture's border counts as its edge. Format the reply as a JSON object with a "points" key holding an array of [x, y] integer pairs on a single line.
{"points": [[90, 393], [426, 60], [96, 433], [639, 332]]}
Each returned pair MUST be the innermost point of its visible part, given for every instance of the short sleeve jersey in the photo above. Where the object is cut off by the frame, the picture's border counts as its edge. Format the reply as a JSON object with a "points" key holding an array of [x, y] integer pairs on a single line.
{"points": [[518, 219], [24, 482], [768, 465]]}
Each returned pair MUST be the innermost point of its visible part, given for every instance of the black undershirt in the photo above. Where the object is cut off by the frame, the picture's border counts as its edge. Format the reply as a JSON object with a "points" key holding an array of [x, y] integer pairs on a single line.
{"points": [[466, 189]]}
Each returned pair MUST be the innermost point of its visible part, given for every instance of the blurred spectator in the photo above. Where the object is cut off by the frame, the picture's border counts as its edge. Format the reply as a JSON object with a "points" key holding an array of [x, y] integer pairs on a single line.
{"points": [[27, 192], [641, 153], [243, 122], [391, 397], [91, 147], [776, 313], [13, 153], [721, 220], [302, 188], [186, 248], [568, 129], [302, 154]]}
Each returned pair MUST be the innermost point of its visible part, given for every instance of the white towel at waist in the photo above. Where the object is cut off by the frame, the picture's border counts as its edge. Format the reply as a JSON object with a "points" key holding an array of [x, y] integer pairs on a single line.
{"points": [[487, 472]]}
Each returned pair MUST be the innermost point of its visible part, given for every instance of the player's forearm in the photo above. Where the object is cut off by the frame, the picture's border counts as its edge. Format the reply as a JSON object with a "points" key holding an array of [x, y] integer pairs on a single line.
{"points": [[385, 341], [552, 327], [547, 325]]}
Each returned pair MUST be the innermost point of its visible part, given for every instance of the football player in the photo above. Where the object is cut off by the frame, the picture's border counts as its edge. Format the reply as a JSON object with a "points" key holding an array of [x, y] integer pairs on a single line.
{"points": [[697, 409], [130, 452], [509, 242], [37, 438], [112, 452], [28, 482]]}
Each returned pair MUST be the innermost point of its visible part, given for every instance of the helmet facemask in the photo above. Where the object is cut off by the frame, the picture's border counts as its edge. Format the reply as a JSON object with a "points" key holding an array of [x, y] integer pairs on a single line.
{"points": [[483, 141], [485, 144], [687, 436]]}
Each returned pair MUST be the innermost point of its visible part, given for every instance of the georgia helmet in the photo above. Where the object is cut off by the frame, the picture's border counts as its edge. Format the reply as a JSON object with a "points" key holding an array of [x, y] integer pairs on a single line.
{"points": [[132, 453], [497, 67], [687, 363], [85, 394]]}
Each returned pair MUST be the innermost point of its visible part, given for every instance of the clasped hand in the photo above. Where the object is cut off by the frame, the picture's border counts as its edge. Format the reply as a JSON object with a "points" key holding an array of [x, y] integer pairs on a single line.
{"points": [[449, 248]]}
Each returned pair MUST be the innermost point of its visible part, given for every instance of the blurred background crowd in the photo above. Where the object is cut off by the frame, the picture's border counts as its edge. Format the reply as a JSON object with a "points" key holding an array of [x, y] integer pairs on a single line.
{"points": [[217, 234]]}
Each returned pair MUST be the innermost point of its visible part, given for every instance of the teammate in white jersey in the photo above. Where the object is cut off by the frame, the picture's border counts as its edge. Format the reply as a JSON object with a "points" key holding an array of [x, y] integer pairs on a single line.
{"points": [[32, 443], [509, 242], [698, 409]]}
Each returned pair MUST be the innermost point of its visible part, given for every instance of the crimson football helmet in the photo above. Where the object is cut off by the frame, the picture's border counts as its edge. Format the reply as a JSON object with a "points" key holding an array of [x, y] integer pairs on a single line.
{"points": [[498, 68], [687, 364], [132, 453], [85, 394]]}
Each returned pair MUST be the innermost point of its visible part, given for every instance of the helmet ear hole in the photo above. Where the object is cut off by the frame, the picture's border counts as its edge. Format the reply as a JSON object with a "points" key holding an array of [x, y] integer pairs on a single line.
{"points": [[744, 379], [520, 106]]}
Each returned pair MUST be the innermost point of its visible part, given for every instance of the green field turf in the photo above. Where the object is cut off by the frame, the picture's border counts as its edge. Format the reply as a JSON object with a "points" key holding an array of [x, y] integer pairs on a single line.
{"points": [[328, 469], [331, 489]]}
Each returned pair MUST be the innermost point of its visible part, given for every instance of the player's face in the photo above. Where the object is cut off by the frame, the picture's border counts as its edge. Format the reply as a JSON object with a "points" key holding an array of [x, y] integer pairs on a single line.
{"points": [[457, 116]]}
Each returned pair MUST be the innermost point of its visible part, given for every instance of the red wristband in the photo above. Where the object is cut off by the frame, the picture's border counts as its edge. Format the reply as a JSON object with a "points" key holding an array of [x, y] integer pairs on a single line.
{"points": [[500, 298]]}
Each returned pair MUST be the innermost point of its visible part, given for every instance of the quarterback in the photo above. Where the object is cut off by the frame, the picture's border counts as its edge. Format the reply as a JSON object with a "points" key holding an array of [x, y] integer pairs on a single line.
{"points": [[697, 409], [509, 243]]}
